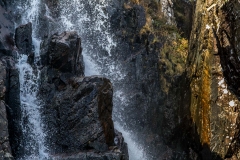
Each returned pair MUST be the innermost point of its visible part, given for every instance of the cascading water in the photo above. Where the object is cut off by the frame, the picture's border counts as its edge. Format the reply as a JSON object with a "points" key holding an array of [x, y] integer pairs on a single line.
{"points": [[32, 142], [91, 21]]}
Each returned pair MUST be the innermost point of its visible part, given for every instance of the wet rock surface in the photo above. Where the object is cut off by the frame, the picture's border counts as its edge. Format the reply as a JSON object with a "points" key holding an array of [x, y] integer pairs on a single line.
{"points": [[6, 32], [77, 110], [23, 38], [64, 53], [8, 81], [91, 155], [181, 115], [213, 73]]}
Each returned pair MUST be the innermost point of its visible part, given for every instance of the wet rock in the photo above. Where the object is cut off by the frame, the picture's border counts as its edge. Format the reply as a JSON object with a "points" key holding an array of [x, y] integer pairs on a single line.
{"points": [[100, 147], [121, 144], [83, 113], [78, 110], [9, 85], [214, 79], [23, 38], [65, 53], [6, 32], [5, 149], [91, 155]]}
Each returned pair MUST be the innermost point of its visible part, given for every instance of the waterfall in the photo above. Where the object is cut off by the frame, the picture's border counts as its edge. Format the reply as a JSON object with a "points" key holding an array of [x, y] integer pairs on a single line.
{"points": [[91, 21], [33, 138], [92, 24]]}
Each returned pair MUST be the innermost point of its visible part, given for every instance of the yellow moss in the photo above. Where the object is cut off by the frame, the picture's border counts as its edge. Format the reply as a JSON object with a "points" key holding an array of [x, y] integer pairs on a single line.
{"points": [[147, 27], [135, 1], [127, 6]]}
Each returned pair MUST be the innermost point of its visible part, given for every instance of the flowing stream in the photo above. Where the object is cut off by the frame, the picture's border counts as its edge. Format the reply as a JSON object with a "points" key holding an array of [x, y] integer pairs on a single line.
{"points": [[32, 141], [91, 21]]}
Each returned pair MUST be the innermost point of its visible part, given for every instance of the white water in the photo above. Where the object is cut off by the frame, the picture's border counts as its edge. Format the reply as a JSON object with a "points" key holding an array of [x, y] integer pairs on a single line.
{"points": [[31, 123], [96, 22], [90, 20], [34, 143], [136, 151]]}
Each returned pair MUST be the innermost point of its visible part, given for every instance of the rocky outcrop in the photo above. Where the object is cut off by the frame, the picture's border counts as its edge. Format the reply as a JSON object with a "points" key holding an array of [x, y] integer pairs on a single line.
{"points": [[7, 70], [64, 54], [91, 155], [153, 54], [213, 71], [77, 110], [5, 149], [6, 32], [23, 38]]}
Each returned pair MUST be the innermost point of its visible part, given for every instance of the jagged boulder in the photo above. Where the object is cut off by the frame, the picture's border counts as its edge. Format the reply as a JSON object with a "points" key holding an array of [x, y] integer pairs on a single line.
{"points": [[64, 53], [5, 149], [82, 112], [7, 99], [6, 32], [7, 85], [23, 38], [77, 109]]}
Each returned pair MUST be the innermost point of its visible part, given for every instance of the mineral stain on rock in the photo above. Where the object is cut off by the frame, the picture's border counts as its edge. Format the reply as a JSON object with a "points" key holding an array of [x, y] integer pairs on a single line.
{"points": [[184, 86]]}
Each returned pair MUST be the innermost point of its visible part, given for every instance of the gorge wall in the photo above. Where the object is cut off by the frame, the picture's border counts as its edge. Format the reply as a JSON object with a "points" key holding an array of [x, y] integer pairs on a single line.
{"points": [[173, 67]]}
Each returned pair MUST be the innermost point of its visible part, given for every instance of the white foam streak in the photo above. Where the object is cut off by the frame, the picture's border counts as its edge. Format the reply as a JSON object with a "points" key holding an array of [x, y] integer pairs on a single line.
{"points": [[31, 123], [135, 150], [30, 107], [90, 66], [90, 20]]}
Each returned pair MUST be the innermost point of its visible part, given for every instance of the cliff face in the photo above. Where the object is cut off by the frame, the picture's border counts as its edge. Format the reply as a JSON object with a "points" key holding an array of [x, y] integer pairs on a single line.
{"points": [[181, 89], [213, 71], [198, 95], [7, 85]]}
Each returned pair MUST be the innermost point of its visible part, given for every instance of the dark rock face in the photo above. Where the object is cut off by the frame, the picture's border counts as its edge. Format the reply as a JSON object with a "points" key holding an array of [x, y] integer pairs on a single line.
{"points": [[23, 38], [65, 53], [213, 72], [83, 112], [78, 110], [5, 149], [8, 82], [6, 32], [92, 155]]}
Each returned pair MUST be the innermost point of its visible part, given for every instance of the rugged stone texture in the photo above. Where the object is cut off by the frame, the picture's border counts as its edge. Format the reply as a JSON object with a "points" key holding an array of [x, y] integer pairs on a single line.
{"points": [[6, 32], [122, 146], [212, 68], [92, 155], [23, 38], [64, 53], [83, 112], [7, 69], [5, 149], [154, 88], [77, 110]]}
